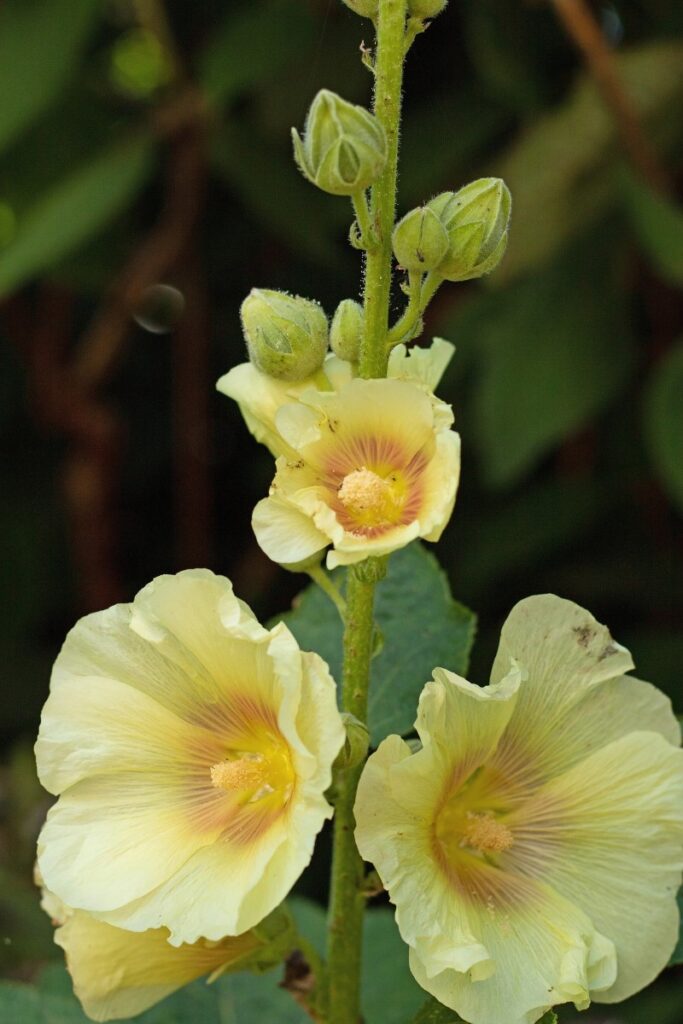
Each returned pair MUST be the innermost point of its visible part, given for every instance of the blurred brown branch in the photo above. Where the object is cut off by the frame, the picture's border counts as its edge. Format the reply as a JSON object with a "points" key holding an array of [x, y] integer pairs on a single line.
{"points": [[582, 27]]}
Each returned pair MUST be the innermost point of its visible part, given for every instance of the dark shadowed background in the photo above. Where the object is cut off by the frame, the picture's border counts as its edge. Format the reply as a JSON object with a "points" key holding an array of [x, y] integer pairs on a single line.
{"points": [[146, 184]]}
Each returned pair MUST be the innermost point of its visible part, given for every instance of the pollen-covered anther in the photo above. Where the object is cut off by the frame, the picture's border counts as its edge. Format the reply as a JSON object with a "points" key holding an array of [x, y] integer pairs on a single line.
{"points": [[484, 833], [240, 774], [365, 491]]}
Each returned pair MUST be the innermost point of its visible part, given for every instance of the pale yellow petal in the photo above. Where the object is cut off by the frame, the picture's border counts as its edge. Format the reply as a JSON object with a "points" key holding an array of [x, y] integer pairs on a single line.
{"points": [[424, 366], [259, 397], [284, 533], [608, 834], [111, 838], [440, 486], [119, 974], [566, 654], [543, 951], [463, 721], [92, 725]]}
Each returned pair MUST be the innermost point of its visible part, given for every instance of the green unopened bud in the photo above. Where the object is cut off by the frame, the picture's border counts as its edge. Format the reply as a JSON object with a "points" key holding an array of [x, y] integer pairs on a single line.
{"points": [[425, 8], [366, 8], [420, 240], [286, 335], [347, 330], [344, 147], [355, 745], [476, 219]]}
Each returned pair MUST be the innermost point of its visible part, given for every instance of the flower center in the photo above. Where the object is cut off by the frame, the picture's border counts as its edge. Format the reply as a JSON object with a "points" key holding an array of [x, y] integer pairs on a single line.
{"points": [[369, 497], [482, 832], [252, 776], [460, 830]]}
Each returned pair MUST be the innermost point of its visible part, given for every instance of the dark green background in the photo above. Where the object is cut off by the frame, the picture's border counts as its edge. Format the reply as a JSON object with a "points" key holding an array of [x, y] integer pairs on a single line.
{"points": [[567, 384]]}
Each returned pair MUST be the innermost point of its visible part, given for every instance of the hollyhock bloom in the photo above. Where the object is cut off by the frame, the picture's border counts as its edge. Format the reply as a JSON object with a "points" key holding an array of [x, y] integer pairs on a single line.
{"points": [[118, 974], [260, 396], [377, 465], [533, 846], [190, 748]]}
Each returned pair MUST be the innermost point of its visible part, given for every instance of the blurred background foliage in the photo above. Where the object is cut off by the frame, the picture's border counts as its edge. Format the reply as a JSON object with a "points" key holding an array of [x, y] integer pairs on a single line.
{"points": [[146, 183]]}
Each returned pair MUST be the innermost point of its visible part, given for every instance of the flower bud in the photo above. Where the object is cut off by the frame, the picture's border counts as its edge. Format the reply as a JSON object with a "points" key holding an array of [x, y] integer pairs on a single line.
{"points": [[356, 744], [476, 219], [344, 146], [366, 8], [425, 8], [286, 335], [346, 330], [420, 240]]}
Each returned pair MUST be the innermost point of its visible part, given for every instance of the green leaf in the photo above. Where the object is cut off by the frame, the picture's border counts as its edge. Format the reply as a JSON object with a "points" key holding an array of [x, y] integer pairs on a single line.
{"points": [[561, 172], [390, 994], [20, 1003], [677, 955], [253, 45], [434, 1012], [74, 209], [658, 224], [663, 421], [555, 350], [232, 999], [40, 44], [499, 542], [422, 627]]}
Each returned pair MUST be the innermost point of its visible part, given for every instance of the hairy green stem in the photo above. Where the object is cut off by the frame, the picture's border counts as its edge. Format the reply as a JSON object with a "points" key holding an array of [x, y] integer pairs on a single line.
{"points": [[347, 900], [387, 109]]}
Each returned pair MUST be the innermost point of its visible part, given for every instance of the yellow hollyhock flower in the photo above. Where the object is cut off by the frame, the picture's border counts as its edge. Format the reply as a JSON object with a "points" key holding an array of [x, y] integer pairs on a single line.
{"points": [[190, 749], [118, 974], [259, 397], [377, 465], [533, 846]]}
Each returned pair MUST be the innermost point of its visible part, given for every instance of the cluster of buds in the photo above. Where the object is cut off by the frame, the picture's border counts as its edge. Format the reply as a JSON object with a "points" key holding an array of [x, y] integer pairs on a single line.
{"points": [[458, 235]]}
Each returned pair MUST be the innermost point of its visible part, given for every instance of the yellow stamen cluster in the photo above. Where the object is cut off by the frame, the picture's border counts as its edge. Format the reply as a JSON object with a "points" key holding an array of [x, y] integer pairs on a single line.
{"points": [[482, 832], [365, 491]]}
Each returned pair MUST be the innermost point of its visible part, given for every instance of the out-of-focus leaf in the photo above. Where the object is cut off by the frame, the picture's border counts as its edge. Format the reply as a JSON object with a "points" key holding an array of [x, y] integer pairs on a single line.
{"points": [[509, 43], [415, 593], [390, 994], [501, 543], [434, 1012], [311, 921], [658, 224], [663, 421], [74, 210], [232, 999], [25, 929], [426, 167], [677, 955], [269, 184], [562, 171], [20, 1003], [555, 350], [40, 43], [252, 46]]}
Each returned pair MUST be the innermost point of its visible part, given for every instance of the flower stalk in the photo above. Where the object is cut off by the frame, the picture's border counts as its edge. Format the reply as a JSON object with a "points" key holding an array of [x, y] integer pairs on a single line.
{"points": [[347, 901], [387, 109]]}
